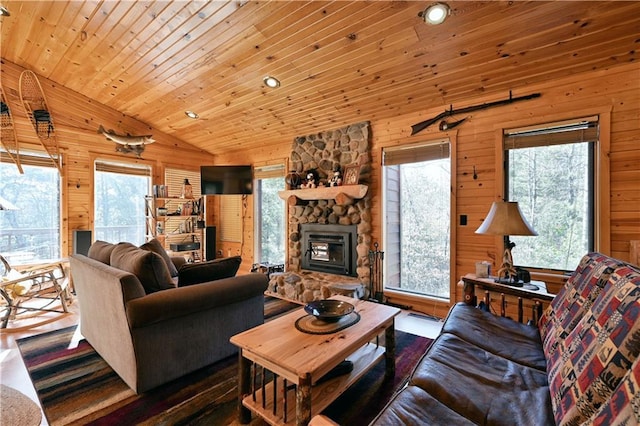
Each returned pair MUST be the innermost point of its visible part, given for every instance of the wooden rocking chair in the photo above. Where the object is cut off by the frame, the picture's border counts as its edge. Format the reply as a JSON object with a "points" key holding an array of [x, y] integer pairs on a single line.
{"points": [[47, 283]]}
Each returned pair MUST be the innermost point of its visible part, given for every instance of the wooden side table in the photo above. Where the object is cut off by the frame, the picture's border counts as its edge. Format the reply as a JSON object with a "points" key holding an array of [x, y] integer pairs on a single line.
{"points": [[535, 291]]}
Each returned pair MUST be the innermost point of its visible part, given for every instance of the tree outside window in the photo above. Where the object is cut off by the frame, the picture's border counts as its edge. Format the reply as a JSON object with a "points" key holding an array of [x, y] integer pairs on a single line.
{"points": [[553, 186], [120, 204], [31, 233], [270, 220]]}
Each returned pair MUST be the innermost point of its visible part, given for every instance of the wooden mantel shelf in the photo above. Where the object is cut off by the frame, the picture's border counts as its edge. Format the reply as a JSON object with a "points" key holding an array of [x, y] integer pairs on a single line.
{"points": [[355, 192]]}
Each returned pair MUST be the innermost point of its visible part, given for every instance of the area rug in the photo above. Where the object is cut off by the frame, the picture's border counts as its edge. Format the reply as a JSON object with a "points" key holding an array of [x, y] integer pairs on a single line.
{"points": [[18, 409], [76, 386]]}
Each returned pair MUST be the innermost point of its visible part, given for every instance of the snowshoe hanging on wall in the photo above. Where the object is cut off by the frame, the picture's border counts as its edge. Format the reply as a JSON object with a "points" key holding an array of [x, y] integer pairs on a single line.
{"points": [[35, 105], [8, 136]]}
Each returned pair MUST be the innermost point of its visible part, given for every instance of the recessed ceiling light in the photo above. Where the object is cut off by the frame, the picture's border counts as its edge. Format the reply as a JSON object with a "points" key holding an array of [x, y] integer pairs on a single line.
{"points": [[271, 82], [192, 114], [4, 11], [435, 14]]}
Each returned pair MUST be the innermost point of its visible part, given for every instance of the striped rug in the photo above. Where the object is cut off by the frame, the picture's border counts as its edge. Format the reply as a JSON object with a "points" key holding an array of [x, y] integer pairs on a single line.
{"points": [[76, 386]]}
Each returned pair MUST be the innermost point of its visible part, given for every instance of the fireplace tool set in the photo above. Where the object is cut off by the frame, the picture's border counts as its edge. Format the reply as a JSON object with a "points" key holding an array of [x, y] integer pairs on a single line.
{"points": [[376, 258]]}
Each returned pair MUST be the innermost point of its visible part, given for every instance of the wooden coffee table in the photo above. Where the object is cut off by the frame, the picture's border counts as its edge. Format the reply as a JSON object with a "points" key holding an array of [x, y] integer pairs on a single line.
{"points": [[299, 359]]}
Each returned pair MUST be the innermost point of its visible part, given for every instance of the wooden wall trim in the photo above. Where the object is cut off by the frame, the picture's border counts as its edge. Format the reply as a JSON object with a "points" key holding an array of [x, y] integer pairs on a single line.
{"points": [[603, 184], [453, 235]]}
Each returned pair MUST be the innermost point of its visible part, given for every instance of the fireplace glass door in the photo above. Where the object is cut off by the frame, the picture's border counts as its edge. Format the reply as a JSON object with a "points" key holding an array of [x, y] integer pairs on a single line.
{"points": [[329, 248]]}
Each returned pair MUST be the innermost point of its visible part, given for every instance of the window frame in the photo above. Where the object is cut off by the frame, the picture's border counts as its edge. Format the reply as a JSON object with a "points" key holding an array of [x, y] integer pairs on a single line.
{"points": [[32, 157], [114, 159], [265, 171], [452, 138], [602, 204]]}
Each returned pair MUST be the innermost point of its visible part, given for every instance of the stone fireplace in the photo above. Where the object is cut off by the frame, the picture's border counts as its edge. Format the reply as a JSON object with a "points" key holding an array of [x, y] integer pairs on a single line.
{"points": [[326, 214]]}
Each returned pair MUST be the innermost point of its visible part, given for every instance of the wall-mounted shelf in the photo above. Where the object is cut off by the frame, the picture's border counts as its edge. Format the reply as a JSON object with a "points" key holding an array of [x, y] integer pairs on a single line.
{"points": [[338, 193]]}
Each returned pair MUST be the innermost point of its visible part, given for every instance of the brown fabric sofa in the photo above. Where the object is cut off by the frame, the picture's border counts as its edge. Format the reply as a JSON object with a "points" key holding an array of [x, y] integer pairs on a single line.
{"points": [[150, 337], [578, 366]]}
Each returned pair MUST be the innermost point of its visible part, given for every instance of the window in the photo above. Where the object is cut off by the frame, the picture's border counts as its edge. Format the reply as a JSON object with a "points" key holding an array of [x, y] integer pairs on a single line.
{"points": [[269, 215], [417, 204], [120, 189], [550, 172], [31, 232]]}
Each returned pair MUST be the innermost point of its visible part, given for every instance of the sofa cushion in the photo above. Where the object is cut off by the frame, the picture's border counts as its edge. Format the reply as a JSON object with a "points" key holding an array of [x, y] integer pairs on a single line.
{"points": [[414, 406], [509, 339], [196, 273], [101, 251], [623, 408], [574, 299], [599, 351], [481, 386], [146, 265], [155, 246]]}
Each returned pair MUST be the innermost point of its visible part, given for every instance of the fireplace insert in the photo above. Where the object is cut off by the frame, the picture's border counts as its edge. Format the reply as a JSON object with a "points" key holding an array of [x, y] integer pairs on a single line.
{"points": [[330, 248]]}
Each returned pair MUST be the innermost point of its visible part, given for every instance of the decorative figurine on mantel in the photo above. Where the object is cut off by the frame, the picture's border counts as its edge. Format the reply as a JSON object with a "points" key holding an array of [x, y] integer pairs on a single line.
{"points": [[312, 179], [336, 179]]}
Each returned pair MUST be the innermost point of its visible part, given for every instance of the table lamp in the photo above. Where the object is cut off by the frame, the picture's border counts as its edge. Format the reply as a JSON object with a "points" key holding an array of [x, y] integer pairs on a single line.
{"points": [[505, 218]]}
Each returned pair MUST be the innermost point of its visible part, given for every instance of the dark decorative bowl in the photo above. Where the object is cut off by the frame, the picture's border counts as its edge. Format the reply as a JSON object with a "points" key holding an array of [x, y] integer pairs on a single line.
{"points": [[329, 310]]}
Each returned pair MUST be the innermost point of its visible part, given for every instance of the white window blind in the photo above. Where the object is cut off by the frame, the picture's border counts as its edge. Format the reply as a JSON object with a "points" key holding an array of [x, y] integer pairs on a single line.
{"points": [[268, 171], [415, 153], [28, 159], [558, 133], [174, 179], [231, 218], [122, 168]]}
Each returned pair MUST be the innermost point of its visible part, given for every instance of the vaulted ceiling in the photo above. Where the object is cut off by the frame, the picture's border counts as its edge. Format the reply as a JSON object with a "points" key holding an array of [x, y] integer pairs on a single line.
{"points": [[339, 62]]}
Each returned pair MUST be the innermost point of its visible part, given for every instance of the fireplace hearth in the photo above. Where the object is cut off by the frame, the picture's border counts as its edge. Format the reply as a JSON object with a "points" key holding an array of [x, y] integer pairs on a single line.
{"points": [[329, 248]]}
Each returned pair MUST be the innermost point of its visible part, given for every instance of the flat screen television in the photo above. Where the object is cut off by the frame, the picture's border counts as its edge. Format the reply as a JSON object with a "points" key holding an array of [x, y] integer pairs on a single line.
{"points": [[226, 180]]}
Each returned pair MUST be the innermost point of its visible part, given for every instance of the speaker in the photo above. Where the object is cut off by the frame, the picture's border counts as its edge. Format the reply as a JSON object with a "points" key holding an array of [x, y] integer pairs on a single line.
{"points": [[210, 242], [81, 241]]}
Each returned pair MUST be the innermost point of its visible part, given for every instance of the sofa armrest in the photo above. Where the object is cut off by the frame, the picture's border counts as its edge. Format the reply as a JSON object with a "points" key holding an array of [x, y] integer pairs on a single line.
{"points": [[181, 301], [178, 261], [201, 272]]}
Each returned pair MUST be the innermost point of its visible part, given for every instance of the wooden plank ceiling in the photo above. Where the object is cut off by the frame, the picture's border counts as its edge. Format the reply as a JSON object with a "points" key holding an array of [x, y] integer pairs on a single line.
{"points": [[339, 61]]}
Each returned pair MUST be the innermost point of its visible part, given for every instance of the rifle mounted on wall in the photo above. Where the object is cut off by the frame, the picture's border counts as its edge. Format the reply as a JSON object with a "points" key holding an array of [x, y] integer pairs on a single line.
{"points": [[450, 112]]}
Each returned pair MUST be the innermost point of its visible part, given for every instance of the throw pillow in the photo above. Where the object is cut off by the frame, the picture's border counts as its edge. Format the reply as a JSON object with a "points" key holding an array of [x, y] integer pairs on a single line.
{"points": [[147, 266], [196, 273], [101, 251], [155, 246]]}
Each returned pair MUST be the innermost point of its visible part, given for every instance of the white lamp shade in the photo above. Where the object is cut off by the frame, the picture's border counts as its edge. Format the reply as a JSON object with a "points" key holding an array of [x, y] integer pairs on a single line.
{"points": [[505, 218]]}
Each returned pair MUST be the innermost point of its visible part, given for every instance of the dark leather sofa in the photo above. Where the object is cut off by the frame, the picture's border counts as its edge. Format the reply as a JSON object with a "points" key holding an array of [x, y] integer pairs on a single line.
{"points": [[578, 366]]}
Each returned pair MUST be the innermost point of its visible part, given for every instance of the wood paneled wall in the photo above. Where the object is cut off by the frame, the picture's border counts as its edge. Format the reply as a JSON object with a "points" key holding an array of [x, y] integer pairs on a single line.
{"points": [[76, 120], [615, 92]]}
